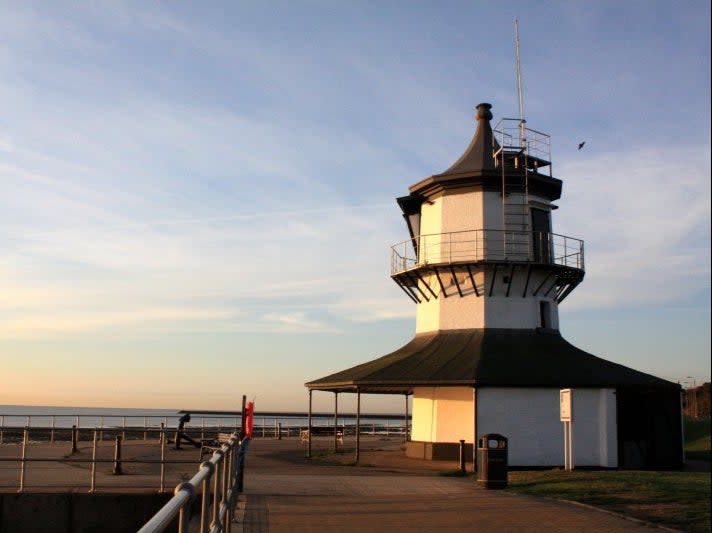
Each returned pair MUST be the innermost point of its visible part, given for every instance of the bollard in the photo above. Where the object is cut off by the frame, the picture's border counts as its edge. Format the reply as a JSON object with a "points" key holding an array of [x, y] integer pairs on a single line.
{"points": [[117, 456], [279, 431], [462, 456], [162, 484], [75, 438]]}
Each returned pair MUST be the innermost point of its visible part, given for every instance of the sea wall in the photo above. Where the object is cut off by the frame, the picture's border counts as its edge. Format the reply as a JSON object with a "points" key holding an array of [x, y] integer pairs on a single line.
{"points": [[77, 513]]}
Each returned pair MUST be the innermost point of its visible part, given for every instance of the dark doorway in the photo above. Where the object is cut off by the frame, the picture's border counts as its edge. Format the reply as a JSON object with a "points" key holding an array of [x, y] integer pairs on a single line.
{"points": [[649, 429], [541, 235]]}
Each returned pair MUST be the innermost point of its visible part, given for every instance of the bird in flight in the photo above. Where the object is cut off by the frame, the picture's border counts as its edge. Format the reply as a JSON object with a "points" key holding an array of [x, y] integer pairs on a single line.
{"points": [[581, 144]]}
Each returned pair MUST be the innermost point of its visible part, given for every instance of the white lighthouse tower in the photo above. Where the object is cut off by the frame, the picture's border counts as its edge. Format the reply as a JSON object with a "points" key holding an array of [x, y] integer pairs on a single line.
{"points": [[482, 257], [482, 253], [487, 274]]}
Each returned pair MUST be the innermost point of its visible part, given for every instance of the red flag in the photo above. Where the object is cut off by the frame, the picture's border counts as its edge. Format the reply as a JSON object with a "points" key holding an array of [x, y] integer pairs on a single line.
{"points": [[249, 418]]}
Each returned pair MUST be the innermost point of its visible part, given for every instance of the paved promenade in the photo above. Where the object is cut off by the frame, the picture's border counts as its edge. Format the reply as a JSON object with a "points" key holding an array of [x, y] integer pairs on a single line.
{"points": [[285, 492]]}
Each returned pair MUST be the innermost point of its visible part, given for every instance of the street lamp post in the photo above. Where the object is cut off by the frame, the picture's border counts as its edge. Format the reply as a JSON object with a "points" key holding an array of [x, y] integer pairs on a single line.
{"points": [[692, 405]]}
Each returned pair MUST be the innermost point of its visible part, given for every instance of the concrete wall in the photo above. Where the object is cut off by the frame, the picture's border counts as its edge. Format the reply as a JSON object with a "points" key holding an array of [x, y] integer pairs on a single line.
{"points": [[442, 414], [529, 418], [76, 512]]}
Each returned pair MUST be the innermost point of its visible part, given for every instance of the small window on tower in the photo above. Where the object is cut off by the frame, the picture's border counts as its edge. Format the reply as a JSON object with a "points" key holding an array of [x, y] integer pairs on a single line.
{"points": [[545, 315]]}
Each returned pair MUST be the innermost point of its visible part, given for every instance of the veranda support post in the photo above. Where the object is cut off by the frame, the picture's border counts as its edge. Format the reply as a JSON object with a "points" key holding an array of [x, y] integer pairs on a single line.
{"points": [[309, 426], [358, 424], [336, 421]]}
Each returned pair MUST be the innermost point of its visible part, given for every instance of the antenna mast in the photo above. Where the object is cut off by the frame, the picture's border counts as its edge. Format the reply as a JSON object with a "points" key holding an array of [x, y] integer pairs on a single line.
{"points": [[520, 92]]}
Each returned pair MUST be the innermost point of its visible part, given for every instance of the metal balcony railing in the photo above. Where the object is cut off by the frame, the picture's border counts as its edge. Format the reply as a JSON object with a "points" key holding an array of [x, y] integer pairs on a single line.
{"points": [[512, 137], [485, 245]]}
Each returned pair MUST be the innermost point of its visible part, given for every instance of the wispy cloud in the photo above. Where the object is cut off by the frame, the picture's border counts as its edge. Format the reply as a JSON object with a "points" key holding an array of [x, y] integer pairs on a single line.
{"points": [[645, 217], [297, 322], [38, 325]]}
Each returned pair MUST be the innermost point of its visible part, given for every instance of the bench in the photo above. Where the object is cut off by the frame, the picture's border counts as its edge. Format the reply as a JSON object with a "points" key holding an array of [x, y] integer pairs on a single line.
{"points": [[210, 446], [321, 431]]}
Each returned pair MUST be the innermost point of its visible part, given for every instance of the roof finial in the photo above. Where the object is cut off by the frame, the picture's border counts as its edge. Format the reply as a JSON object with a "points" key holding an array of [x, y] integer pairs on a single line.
{"points": [[477, 156], [483, 111]]}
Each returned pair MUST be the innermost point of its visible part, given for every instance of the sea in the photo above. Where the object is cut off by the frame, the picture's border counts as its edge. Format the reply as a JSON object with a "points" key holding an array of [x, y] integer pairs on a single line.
{"points": [[19, 416]]}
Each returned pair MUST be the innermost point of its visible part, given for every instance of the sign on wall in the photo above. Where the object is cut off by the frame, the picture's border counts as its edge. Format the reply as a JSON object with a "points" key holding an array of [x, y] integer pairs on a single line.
{"points": [[566, 412], [565, 405]]}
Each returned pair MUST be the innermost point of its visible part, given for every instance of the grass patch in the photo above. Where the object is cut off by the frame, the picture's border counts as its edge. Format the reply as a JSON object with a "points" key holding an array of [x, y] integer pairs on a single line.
{"points": [[697, 428], [675, 499], [697, 438]]}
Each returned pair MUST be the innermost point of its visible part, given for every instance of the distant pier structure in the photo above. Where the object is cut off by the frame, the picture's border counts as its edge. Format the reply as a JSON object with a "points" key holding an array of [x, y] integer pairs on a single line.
{"points": [[487, 274]]}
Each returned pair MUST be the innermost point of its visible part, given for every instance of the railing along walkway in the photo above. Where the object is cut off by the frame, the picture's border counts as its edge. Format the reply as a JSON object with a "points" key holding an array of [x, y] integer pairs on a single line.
{"points": [[218, 483]]}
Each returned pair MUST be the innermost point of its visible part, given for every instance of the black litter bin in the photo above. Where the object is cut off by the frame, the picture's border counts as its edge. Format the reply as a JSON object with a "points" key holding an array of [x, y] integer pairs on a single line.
{"points": [[492, 461]]}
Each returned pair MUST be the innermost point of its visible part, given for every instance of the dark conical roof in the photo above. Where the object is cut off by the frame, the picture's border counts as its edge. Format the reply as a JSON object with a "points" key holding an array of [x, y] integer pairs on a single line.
{"points": [[477, 167], [478, 155], [486, 357]]}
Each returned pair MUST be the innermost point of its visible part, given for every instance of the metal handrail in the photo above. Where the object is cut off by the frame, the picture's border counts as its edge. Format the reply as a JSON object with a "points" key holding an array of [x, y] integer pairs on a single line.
{"points": [[485, 245], [225, 469]]}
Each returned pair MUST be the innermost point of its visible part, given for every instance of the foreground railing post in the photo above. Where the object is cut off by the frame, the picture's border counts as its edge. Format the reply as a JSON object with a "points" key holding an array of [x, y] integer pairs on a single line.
{"points": [[227, 492], [224, 488], [51, 433], [205, 503], [2, 429], [240, 469], [25, 438], [92, 486], [184, 514], [75, 438], [279, 431], [216, 490]]}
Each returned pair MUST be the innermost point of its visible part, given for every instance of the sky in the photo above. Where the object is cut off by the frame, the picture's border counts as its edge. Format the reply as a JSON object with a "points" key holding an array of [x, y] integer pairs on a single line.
{"points": [[198, 197]]}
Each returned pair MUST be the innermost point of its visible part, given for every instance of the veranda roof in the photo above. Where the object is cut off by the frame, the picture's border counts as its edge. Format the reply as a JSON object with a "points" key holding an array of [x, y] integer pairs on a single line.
{"points": [[485, 357]]}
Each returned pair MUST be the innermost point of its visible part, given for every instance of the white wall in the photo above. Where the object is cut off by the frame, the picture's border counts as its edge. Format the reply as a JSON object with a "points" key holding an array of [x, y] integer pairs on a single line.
{"points": [[470, 209], [442, 414], [472, 311], [529, 418]]}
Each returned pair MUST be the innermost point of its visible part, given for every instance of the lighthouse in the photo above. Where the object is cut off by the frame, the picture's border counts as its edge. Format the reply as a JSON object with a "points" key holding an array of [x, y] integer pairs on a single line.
{"points": [[482, 253], [487, 272]]}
